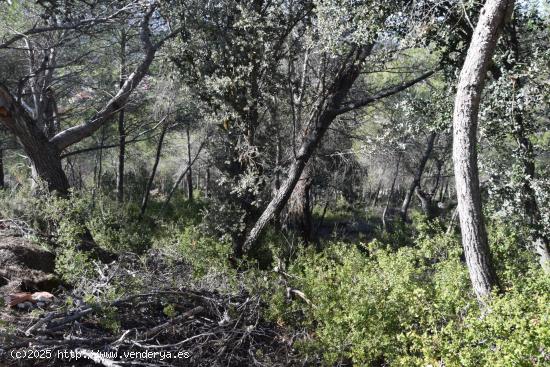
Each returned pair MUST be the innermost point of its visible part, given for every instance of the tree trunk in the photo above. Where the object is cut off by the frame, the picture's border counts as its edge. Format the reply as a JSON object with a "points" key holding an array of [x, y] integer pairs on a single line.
{"points": [[190, 170], [323, 115], [2, 183], [121, 157], [390, 194], [465, 117], [277, 182], [418, 176], [198, 180], [46, 166], [438, 168], [541, 243], [100, 159], [207, 183], [121, 127], [427, 203], [540, 239], [153, 172], [181, 176], [299, 207], [376, 195], [45, 158]]}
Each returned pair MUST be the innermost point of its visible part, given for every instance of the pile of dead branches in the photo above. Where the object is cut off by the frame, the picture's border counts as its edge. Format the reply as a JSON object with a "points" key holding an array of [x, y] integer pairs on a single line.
{"points": [[203, 328], [166, 326]]}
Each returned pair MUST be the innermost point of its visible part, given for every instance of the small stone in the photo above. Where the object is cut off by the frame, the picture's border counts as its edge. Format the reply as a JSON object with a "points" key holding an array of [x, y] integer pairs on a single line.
{"points": [[25, 305]]}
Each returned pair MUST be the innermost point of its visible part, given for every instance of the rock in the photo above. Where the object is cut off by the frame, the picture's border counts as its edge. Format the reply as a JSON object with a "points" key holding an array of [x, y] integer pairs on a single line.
{"points": [[25, 266], [16, 251], [25, 305]]}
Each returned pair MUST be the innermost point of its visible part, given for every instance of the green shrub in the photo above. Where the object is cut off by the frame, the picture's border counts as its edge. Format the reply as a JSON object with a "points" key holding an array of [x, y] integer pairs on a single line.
{"points": [[73, 266], [515, 331], [119, 227], [203, 252], [413, 306]]}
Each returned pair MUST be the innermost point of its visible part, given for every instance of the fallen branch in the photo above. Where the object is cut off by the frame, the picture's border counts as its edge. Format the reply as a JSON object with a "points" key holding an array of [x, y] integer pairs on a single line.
{"points": [[97, 358], [173, 321]]}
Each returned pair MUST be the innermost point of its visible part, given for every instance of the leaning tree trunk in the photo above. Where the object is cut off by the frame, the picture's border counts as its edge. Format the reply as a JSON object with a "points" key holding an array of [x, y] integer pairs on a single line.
{"points": [[321, 118], [299, 210], [465, 118], [322, 115], [153, 172], [418, 176], [44, 156]]}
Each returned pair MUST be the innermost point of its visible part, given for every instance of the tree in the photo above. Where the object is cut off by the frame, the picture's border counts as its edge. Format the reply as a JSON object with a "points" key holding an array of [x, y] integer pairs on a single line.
{"points": [[465, 117], [30, 125], [121, 127], [418, 175], [147, 191], [514, 116]]}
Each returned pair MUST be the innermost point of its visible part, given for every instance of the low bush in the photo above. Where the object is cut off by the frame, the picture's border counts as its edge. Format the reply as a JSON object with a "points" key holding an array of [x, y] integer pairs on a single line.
{"points": [[381, 305]]}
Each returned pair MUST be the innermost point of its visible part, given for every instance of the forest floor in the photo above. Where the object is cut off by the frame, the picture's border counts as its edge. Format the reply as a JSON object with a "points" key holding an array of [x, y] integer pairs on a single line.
{"points": [[141, 311]]}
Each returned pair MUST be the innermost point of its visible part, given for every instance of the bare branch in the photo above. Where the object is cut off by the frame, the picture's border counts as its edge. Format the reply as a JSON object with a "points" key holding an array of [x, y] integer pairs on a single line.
{"points": [[75, 134], [84, 23], [353, 105]]}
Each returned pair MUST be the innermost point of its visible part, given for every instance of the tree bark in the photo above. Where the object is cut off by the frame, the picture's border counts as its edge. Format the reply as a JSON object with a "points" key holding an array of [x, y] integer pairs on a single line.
{"points": [[121, 127], [465, 118], [2, 182], [299, 207], [418, 176], [189, 165], [153, 172], [44, 156], [390, 195], [207, 183]]}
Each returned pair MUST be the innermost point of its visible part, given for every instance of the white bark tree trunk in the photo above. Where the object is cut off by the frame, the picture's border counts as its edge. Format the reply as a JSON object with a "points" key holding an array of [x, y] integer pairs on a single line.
{"points": [[465, 118]]}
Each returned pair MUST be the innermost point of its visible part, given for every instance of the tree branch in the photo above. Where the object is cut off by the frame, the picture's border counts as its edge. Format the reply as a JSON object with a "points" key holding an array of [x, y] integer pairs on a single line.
{"points": [[75, 134], [353, 105], [59, 27]]}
